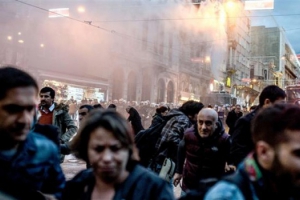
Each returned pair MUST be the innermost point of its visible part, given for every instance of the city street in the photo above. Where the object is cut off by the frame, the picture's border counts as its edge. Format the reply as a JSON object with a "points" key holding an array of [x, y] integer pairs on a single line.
{"points": [[71, 166]]}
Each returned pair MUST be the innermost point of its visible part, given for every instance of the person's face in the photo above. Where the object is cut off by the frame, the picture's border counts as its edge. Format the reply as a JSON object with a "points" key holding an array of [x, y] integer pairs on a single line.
{"points": [[82, 113], [17, 110], [164, 113], [46, 99], [238, 109], [206, 125], [107, 156], [286, 165]]}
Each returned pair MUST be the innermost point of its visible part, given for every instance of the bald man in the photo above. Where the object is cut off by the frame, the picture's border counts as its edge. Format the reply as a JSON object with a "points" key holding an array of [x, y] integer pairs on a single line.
{"points": [[205, 148]]}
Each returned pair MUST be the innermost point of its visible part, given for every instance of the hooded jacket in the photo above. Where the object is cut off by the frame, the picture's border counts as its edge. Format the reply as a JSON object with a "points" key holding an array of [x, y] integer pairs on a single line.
{"points": [[172, 134]]}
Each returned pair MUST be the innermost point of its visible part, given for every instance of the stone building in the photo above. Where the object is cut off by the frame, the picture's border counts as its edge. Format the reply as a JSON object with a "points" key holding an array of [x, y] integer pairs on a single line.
{"points": [[156, 51]]}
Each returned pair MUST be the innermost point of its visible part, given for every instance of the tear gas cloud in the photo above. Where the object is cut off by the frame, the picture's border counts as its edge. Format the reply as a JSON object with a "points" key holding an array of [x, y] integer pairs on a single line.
{"points": [[118, 33]]}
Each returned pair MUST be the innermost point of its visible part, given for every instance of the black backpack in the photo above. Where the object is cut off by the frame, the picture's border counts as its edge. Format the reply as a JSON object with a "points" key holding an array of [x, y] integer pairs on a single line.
{"points": [[146, 141]]}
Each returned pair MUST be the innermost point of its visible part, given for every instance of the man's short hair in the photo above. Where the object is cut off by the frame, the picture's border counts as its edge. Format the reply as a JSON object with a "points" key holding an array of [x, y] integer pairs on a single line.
{"points": [[271, 92], [48, 89], [98, 105], [270, 123], [11, 77], [190, 108], [88, 107], [112, 106]]}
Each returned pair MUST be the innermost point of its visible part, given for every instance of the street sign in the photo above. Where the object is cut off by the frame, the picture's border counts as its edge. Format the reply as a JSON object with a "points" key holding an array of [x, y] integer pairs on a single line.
{"points": [[259, 5]]}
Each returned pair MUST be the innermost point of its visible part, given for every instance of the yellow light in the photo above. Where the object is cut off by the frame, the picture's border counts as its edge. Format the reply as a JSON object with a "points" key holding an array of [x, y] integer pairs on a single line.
{"points": [[211, 87], [207, 59], [21, 41], [81, 9], [19, 33], [9, 37], [228, 82], [230, 4], [223, 18], [42, 45]]}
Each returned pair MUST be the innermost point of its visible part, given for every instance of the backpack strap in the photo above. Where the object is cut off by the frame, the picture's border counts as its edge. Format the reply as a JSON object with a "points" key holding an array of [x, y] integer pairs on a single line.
{"points": [[242, 182]]}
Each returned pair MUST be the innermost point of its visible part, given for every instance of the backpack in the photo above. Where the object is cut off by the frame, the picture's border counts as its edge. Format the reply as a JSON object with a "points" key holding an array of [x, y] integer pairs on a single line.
{"points": [[146, 141]]}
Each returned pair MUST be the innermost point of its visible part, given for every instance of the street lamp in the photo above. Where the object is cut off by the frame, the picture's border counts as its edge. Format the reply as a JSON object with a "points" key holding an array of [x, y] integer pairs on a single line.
{"points": [[9, 37], [81, 9]]}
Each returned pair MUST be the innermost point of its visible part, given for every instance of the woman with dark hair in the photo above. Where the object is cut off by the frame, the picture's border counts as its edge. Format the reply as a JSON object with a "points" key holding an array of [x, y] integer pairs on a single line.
{"points": [[158, 117], [135, 119], [106, 142]]}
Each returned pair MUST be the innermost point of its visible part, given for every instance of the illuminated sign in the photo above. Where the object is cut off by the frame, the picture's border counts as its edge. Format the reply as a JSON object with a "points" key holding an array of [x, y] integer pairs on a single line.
{"points": [[259, 5], [228, 82], [58, 12]]}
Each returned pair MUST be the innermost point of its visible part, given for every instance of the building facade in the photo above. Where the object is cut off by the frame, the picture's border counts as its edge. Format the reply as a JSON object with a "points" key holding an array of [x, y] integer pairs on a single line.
{"points": [[155, 51], [278, 63]]}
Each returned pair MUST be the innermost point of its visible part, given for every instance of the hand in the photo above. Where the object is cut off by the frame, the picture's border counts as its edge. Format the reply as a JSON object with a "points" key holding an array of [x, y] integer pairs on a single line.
{"points": [[229, 168], [177, 177]]}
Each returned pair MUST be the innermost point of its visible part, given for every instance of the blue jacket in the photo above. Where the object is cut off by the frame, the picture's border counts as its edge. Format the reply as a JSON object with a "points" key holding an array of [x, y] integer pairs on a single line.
{"points": [[35, 167], [253, 183]]}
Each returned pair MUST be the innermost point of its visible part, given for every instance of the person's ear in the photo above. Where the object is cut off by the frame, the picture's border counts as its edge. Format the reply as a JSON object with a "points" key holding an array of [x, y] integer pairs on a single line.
{"points": [[265, 154], [267, 102]]}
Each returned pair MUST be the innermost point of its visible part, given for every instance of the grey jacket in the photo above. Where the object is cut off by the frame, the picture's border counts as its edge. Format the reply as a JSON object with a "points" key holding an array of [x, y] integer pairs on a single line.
{"points": [[62, 119]]}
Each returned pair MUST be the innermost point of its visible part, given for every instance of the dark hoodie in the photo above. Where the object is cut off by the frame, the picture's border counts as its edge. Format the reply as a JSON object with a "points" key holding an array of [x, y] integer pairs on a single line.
{"points": [[135, 119], [205, 157]]}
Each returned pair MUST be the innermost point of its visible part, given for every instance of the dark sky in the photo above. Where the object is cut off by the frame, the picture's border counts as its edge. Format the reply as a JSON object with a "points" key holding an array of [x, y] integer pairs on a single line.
{"points": [[285, 14]]}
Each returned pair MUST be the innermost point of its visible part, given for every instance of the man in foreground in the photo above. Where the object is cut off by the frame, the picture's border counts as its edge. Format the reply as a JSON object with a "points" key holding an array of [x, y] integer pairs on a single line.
{"points": [[29, 163], [203, 152], [272, 170]]}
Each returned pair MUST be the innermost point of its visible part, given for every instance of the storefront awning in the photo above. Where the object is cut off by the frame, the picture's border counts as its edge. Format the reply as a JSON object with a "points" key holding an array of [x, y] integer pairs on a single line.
{"points": [[83, 81]]}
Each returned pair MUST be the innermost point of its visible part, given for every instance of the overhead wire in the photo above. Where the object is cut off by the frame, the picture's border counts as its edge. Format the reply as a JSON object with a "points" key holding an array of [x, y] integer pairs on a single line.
{"points": [[90, 23], [191, 18]]}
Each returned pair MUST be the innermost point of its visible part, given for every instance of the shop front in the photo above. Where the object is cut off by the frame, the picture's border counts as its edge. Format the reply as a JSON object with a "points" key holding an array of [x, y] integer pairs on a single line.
{"points": [[79, 89]]}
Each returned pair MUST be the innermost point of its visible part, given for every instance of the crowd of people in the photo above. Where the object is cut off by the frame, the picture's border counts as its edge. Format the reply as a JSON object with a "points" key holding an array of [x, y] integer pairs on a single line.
{"points": [[188, 145]]}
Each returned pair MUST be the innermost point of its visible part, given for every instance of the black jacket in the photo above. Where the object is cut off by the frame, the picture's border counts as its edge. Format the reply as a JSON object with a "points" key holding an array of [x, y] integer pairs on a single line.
{"points": [[135, 119], [232, 119], [242, 143], [202, 157], [140, 184], [157, 119]]}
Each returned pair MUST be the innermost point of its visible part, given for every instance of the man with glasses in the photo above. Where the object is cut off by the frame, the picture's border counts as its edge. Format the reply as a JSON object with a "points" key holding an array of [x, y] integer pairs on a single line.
{"points": [[203, 152]]}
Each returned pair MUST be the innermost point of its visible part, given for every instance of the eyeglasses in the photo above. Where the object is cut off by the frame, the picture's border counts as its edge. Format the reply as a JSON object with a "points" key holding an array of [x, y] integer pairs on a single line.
{"points": [[82, 113]]}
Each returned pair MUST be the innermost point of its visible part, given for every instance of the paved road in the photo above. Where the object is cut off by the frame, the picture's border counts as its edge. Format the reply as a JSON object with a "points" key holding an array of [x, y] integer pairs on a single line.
{"points": [[71, 166]]}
